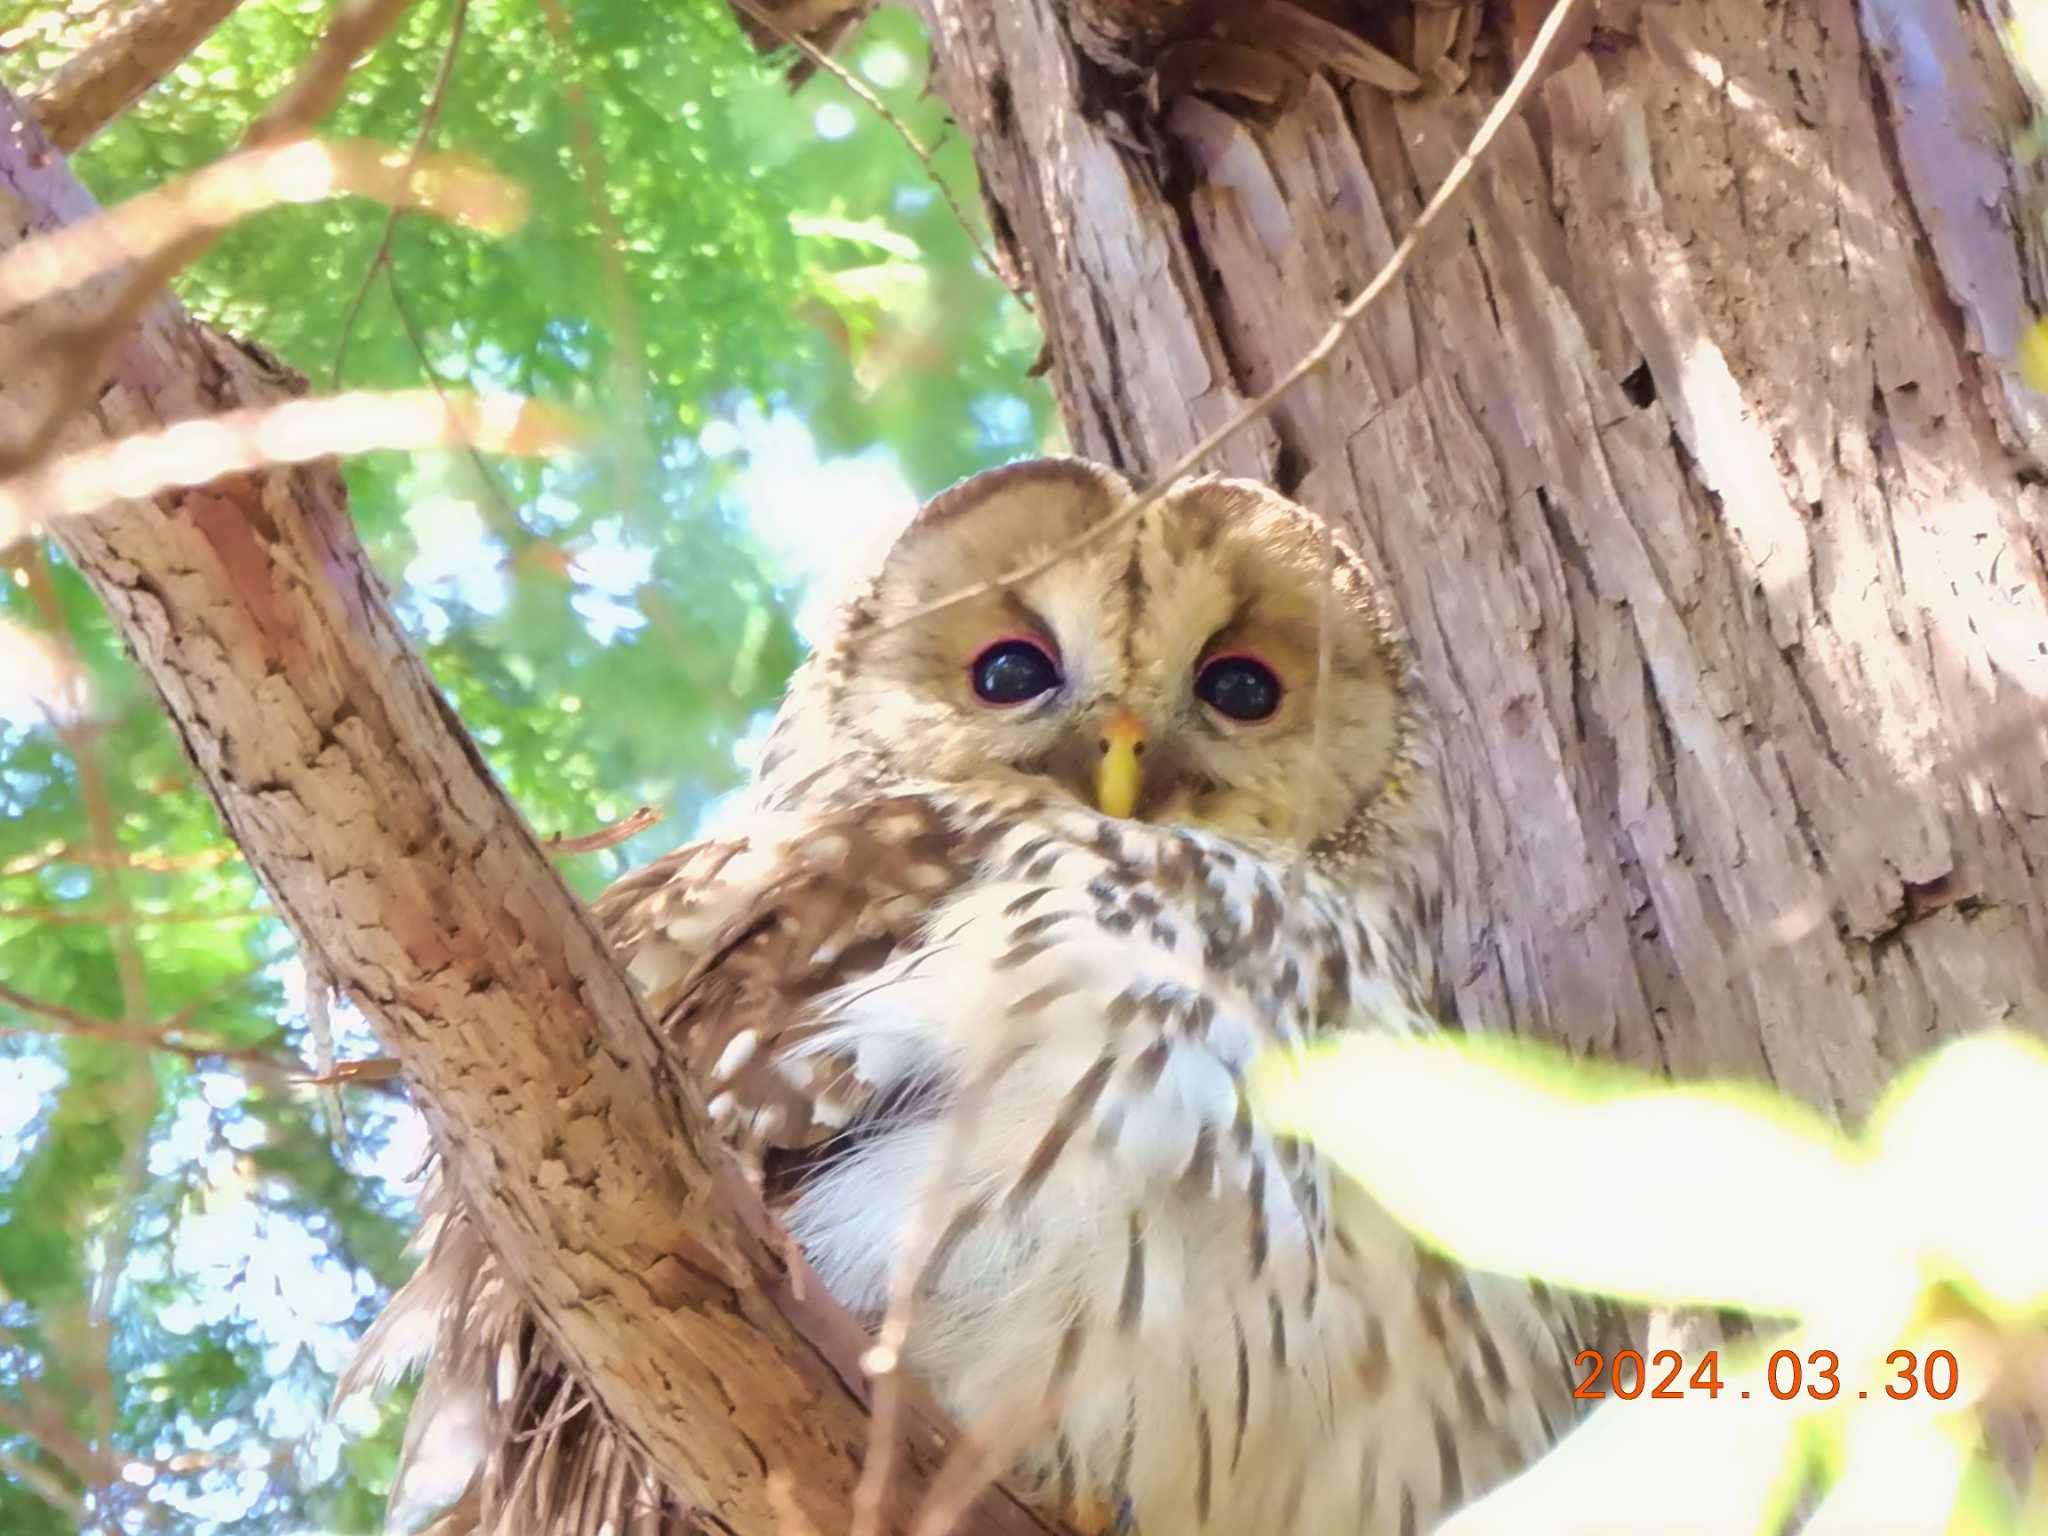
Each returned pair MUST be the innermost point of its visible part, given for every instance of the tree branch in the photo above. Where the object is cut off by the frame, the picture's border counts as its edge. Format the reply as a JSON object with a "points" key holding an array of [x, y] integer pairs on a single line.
{"points": [[398, 861], [44, 1484], [116, 69]]}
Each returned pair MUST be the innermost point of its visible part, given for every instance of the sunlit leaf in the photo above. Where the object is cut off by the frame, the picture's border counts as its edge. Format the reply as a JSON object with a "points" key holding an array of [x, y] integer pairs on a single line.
{"points": [[2033, 355], [1517, 1159], [1901, 1468], [1697, 1466], [1961, 1141]]}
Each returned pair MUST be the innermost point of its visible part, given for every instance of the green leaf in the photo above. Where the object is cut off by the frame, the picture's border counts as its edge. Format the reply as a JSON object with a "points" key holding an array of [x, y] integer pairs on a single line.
{"points": [[1960, 1141], [1517, 1159]]}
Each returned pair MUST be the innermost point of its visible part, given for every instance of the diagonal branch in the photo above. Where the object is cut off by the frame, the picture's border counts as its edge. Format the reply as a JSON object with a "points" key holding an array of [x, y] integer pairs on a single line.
{"points": [[112, 72]]}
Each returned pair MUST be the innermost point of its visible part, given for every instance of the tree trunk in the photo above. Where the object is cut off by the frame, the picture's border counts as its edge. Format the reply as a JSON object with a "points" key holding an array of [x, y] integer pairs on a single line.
{"points": [[1693, 449], [411, 881]]}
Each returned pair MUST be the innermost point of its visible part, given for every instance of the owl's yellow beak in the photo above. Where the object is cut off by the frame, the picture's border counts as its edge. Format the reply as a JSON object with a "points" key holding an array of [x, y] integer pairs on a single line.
{"points": [[1118, 777]]}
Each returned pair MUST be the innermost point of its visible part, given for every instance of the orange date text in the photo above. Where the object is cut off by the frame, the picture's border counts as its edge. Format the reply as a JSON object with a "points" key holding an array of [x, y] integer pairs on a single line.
{"points": [[1816, 1375]]}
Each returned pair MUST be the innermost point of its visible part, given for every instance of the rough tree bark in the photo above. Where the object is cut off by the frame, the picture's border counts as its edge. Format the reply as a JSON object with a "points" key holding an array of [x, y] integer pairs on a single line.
{"points": [[1695, 454], [413, 883]]}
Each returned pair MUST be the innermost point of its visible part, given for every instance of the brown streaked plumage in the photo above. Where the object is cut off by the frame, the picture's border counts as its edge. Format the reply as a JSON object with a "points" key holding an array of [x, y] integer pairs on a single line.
{"points": [[926, 983]]}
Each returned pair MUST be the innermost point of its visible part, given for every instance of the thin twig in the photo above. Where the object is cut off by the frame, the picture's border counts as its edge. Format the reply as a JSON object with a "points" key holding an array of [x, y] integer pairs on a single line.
{"points": [[629, 355], [371, 1069], [56, 1013], [152, 1035], [984, 1452], [154, 1040], [44, 1424], [920, 1239], [255, 437], [1510, 102], [881, 109], [138, 1087], [499, 511], [65, 917], [153, 863], [604, 837], [45, 1485], [422, 141], [182, 1019]]}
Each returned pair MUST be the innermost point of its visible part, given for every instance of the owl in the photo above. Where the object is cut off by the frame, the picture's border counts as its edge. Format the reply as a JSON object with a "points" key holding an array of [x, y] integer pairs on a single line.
{"points": [[971, 979]]}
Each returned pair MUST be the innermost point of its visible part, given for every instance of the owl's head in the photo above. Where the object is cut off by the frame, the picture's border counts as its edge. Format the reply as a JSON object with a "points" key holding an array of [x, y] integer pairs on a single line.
{"points": [[1168, 671]]}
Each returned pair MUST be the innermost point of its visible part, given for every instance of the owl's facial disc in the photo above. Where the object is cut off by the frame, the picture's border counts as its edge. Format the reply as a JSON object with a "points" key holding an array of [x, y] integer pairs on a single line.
{"points": [[1211, 663]]}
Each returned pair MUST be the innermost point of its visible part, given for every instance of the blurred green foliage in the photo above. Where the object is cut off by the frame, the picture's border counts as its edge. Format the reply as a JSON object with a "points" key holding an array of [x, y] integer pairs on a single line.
{"points": [[187, 1240]]}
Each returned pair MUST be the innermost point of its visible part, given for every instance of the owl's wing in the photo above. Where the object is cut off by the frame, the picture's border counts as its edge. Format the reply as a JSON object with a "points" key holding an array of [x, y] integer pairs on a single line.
{"points": [[733, 942], [729, 939]]}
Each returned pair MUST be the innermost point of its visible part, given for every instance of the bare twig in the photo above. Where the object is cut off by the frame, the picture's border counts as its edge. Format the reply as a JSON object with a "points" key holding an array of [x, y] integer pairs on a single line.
{"points": [[256, 437], [430, 114], [168, 1035], [372, 1069], [44, 1484], [497, 510], [137, 1089], [116, 69], [43, 1422], [160, 1040], [182, 1019], [153, 863], [1510, 102], [151, 1035], [922, 1239], [605, 837], [66, 917], [629, 357], [983, 1453], [881, 109], [56, 1013]]}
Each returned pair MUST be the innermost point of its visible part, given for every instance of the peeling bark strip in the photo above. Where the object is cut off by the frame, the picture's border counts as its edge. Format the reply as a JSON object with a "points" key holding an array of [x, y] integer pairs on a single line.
{"points": [[402, 868], [1700, 468]]}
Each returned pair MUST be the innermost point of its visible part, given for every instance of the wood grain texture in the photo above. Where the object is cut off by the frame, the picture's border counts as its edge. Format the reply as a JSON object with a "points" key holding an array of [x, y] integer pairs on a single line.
{"points": [[1695, 457], [401, 866]]}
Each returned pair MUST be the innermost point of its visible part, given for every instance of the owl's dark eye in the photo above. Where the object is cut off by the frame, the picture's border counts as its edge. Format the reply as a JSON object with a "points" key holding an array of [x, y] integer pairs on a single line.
{"points": [[1240, 687], [1011, 671]]}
